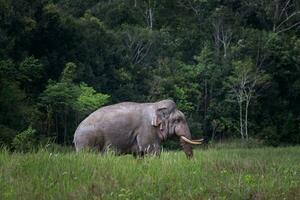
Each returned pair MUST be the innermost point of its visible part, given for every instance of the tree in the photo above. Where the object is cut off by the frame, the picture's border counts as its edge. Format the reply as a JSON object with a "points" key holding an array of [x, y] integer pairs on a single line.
{"points": [[245, 84], [149, 12], [31, 71], [59, 98], [67, 100], [89, 100], [138, 42], [148, 50], [222, 22], [210, 78]]}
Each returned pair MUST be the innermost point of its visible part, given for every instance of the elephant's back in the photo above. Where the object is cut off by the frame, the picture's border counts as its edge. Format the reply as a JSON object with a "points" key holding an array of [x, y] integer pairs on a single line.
{"points": [[111, 112], [113, 117]]}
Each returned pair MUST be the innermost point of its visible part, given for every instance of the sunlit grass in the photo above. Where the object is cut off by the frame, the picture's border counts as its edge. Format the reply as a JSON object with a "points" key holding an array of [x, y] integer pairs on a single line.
{"points": [[262, 173]]}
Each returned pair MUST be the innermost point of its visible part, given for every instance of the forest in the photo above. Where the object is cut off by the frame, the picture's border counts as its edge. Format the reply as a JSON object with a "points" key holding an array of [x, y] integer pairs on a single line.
{"points": [[232, 66]]}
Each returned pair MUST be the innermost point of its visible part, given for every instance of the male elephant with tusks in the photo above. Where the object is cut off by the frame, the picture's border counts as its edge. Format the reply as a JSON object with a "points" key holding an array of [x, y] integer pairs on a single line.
{"points": [[136, 128]]}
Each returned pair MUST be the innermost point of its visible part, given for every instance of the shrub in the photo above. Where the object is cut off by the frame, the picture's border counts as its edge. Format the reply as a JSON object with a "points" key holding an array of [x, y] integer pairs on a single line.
{"points": [[6, 136], [25, 141], [270, 136]]}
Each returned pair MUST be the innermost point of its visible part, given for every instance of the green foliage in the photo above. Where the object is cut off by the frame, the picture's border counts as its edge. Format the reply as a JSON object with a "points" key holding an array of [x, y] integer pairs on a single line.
{"points": [[59, 95], [191, 51], [182, 102], [30, 69], [89, 100], [66, 100], [6, 136], [12, 104], [68, 74], [7, 69], [68, 95], [25, 141], [270, 135]]}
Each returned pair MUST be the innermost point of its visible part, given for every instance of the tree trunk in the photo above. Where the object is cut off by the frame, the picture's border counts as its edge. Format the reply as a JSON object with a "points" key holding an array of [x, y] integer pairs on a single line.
{"points": [[241, 119], [246, 119], [48, 122], [205, 105], [213, 134], [56, 127], [150, 18], [225, 49], [65, 128]]}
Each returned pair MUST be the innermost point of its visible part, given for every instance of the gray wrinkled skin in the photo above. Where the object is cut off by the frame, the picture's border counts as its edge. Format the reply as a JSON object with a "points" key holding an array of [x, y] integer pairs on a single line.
{"points": [[129, 127]]}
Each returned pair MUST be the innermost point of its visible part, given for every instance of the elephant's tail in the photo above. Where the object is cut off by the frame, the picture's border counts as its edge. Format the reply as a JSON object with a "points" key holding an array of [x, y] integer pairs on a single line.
{"points": [[75, 142]]}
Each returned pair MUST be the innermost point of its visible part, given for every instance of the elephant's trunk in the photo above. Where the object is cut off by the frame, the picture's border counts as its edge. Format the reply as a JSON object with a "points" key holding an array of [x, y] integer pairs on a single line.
{"points": [[184, 142], [186, 145], [187, 148], [187, 142]]}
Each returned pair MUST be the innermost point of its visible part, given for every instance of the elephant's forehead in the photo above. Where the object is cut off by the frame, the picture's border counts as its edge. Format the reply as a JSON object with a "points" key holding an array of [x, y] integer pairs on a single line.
{"points": [[177, 114]]}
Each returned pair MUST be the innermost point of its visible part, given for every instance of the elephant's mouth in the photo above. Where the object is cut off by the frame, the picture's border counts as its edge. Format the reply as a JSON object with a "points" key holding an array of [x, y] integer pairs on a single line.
{"points": [[198, 141]]}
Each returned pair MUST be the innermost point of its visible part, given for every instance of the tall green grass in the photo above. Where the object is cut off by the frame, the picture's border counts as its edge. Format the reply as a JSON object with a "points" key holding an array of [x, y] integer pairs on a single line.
{"points": [[264, 173]]}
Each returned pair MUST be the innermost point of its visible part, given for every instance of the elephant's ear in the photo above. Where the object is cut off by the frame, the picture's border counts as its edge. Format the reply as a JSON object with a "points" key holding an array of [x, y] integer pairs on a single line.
{"points": [[162, 112]]}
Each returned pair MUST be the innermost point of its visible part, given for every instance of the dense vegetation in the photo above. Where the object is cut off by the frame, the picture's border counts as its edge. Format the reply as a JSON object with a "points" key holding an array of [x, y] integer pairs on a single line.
{"points": [[232, 66], [213, 174]]}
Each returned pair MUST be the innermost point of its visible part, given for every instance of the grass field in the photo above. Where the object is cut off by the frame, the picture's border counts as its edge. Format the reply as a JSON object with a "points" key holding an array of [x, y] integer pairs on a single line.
{"points": [[259, 173]]}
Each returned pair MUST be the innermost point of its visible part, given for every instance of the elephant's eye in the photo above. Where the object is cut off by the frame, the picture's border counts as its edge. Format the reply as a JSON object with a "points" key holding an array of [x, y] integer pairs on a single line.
{"points": [[177, 120]]}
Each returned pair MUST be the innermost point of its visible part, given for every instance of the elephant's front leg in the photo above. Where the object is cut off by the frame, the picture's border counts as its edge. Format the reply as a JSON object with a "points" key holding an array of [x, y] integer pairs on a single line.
{"points": [[152, 149], [135, 150]]}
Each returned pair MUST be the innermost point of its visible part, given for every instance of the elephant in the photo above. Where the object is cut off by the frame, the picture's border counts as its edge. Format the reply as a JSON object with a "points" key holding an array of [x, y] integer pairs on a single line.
{"points": [[134, 128]]}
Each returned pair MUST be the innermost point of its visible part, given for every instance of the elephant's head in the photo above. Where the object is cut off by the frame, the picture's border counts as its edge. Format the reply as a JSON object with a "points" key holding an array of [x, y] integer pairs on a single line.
{"points": [[171, 121]]}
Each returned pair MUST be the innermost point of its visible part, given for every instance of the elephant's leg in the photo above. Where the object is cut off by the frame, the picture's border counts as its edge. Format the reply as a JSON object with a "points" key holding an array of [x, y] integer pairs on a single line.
{"points": [[148, 147], [91, 142], [81, 143], [154, 149], [135, 150], [107, 147], [138, 154]]}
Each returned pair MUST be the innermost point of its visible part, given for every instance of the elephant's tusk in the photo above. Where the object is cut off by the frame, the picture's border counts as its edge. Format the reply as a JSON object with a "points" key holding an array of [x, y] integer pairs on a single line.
{"points": [[190, 141], [199, 140]]}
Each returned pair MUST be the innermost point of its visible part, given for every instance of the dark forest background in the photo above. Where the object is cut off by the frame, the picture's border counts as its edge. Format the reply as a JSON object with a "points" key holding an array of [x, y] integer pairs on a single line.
{"points": [[232, 66]]}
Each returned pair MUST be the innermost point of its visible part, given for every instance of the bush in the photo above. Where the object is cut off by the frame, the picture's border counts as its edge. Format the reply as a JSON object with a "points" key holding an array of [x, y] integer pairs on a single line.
{"points": [[6, 136], [270, 136], [25, 141]]}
